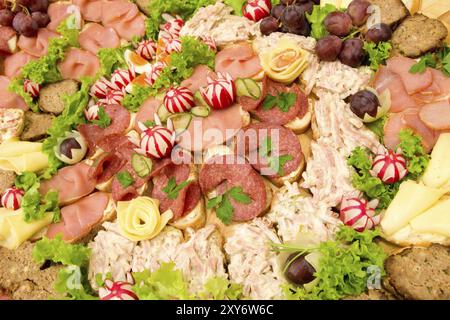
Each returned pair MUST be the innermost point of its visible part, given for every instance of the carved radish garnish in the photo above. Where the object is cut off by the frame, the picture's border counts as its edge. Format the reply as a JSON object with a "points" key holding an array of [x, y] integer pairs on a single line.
{"points": [[121, 78], [359, 213], [113, 97], [179, 99], [173, 45], [147, 49], [119, 290], [389, 166], [155, 72], [91, 112], [173, 26], [210, 43], [12, 198], [256, 10], [219, 93], [101, 87], [32, 88], [157, 141]]}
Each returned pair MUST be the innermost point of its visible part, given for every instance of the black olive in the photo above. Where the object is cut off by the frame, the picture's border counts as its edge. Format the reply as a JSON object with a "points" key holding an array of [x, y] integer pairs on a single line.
{"points": [[65, 148], [299, 271], [365, 102]]}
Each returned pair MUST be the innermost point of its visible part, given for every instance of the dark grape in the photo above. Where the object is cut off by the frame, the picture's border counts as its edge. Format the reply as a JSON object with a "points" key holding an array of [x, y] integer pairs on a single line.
{"points": [[294, 21], [300, 271], [38, 5], [305, 6], [277, 11], [316, 2], [357, 10], [269, 25], [379, 32], [6, 17], [67, 145], [338, 23], [352, 53], [25, 25], [328, 48], [42, 19], [2, 4], [21, 5], [364, 102], [287, 2]]}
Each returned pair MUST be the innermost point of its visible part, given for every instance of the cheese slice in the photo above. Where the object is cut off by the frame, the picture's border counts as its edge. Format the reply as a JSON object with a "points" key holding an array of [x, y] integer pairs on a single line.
{"points": [[437, 174], [14, 230], [435, 220], [20, 156], [411, 200]]}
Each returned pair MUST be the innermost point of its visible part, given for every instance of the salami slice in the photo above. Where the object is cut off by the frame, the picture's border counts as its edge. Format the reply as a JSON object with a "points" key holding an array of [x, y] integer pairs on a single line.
{"points": [[105, 168], [285, 153], [121, 193], [249, 104], [221, 173], [275, 115], [187, 198]]}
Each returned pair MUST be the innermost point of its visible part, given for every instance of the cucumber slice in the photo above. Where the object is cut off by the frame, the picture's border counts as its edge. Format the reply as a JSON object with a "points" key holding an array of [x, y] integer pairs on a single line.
{"points": [[200, 111], [141, 165], [180, 121], [253, 88], [248, 88], [162, 113], [199, 99]]}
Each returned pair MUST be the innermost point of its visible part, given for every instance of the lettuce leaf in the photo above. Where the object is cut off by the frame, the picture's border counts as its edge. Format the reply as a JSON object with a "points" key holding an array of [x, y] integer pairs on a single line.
{"points": [[343, 266], [16, 86], [412, 149], [377, 127], [111, 59], [237, 5], [58, 251], [219, 288], [316, 19], [137, 97], [183, 8], [378, 53], [73, 285], [72, 115]]}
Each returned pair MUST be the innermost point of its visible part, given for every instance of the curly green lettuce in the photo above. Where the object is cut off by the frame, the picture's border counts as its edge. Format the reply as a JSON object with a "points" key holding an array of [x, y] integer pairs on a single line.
{"points": [[377, 53], [111, 59], [344, 266], [316, 19]]}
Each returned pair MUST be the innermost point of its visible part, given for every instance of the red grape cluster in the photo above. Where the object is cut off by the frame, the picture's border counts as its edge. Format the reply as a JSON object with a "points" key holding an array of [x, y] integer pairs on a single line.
{"points": [[350, 50], [24, 16], [289, 16]]}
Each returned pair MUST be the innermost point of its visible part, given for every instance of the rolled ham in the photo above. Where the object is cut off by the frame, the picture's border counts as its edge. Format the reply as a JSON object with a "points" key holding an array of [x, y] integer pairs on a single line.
{"points": [[72, 183], [38, 45], [79, 63], [91, 10], [147, 111], [57, 12], [198, 78], [14, 63], [124, 17], [79, 218], [95, 37], [413, 82], [436, 115], [9, 99], [239, 60]]}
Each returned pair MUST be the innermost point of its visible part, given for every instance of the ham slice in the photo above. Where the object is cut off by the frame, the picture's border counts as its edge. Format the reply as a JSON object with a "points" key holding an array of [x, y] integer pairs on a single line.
{"points": [[388, 80], [72, 183], [436, 115], [15, 62], [57, 12], [79, 63], [147, 111], [198, 78], [9, 99], [95, 36], [124, 17], [218, 127], [79, 218], [239, 60], [413, 83], [392, 128], [188, 197], [91, 10], [37, 46]]}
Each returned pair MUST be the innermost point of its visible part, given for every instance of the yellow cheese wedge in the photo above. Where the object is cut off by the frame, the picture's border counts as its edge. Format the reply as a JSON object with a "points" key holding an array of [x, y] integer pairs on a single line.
{"points": [[20, 156], [438, 172], [435, 220], [14, 230], [411, 200]]}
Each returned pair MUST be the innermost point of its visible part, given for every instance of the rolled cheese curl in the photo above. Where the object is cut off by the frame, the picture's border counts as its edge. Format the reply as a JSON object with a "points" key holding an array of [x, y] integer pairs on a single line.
{"points": [[20, 156], [139, 219], [14, 230], [285, 63]]}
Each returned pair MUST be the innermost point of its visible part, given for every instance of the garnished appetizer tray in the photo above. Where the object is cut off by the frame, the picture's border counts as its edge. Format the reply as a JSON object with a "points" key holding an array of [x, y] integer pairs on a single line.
{"points": [[224, 149]]}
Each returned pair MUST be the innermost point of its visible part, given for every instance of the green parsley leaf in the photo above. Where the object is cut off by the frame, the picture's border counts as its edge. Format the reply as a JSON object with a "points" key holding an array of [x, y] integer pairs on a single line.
{"points": [[214, 202], [316, 19], [149, 123], [284, 101], [378, 53], [427, 60], [125, 179], [103, 120], [238, 195], [277, 163], [172, 189], [224, 210]]}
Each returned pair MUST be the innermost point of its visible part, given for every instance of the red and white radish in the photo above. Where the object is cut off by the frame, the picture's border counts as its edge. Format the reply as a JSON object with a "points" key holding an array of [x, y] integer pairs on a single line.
{"points": [[179, 99], [359, 213], [256, 10], [389, 166], [12, 198], [219, 93]]}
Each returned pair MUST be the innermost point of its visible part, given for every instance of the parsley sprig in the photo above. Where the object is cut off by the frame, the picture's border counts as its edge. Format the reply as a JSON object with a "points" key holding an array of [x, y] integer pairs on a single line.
{"points": [[125, 179], [276, 163], [103, 120], [439, 60], [172, 189], [284, 101], [224, 209]]}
